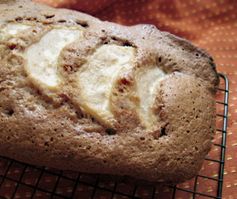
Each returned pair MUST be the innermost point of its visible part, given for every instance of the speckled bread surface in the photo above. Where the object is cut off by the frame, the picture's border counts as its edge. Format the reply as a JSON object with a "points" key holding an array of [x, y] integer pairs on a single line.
{"points": [[77, 93]]}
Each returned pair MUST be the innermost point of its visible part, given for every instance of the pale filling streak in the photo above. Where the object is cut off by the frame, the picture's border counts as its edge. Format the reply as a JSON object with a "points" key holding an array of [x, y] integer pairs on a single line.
{"points": [[12, 29], [42, 57], [148, 80], [97, 77]]}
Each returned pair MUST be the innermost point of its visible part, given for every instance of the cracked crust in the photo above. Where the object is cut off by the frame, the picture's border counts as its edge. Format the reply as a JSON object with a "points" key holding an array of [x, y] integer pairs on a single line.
{"points": [[50, 127]]}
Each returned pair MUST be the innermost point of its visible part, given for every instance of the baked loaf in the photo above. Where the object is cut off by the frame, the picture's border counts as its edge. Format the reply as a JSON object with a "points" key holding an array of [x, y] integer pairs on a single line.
{"points": [[80, 94]]}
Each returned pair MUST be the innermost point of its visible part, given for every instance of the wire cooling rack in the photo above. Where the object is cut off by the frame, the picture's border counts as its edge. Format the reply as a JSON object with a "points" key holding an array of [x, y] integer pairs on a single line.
{"points": [[20, 180]]}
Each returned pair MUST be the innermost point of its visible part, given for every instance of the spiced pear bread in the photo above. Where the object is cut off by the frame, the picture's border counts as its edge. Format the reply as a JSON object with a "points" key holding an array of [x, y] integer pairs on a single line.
{"points": [[77, 93]]}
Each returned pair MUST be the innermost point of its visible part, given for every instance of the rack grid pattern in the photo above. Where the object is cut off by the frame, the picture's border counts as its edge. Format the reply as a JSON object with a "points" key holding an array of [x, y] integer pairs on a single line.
{"points": [[20, 180]]}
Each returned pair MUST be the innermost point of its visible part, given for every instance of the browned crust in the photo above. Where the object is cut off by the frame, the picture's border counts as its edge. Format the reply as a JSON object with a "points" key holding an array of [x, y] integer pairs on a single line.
{"points": [[52, 131]]}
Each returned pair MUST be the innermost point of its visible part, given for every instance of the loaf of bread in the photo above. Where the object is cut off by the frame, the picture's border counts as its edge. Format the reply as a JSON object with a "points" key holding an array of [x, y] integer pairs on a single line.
{"points": [[77, 93]]}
